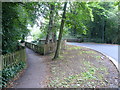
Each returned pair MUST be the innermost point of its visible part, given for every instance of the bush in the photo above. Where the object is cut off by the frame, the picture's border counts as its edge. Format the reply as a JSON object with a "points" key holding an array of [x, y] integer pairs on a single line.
{"points": [[9, 73], [97, 40]]}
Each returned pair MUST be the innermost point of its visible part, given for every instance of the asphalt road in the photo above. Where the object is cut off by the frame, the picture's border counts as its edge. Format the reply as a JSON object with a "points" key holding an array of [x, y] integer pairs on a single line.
{"points": [[107, 49]]}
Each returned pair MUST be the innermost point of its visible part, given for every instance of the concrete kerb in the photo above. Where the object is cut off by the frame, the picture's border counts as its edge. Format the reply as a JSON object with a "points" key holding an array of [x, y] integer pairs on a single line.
{"points": [[111, 59]]}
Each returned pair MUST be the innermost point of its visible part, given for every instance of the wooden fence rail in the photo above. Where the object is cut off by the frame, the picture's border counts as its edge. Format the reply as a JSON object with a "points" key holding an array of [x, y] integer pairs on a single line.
{"points": [[11, 59], [44, 48]]}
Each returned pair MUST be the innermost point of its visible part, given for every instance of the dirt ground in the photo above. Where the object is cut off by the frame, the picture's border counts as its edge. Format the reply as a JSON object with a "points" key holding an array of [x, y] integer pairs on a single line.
{"points": [[77, 67], [81, 67]]}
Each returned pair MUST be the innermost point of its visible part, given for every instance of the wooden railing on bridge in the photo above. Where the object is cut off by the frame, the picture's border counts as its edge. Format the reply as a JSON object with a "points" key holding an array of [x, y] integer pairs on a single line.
{"points": [[44, 48]]}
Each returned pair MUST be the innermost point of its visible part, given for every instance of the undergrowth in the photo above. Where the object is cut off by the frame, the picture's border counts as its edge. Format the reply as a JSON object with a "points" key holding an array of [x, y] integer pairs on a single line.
{"points": [[10, 72]]}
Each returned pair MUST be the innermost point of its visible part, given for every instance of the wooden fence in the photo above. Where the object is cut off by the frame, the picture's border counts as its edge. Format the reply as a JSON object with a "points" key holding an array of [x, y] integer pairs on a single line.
{"points": [[12, 59], [45, 48]]}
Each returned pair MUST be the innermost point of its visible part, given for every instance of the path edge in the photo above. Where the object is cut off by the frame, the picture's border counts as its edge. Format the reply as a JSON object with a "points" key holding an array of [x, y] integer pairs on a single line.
{"points": [[115, 63]]}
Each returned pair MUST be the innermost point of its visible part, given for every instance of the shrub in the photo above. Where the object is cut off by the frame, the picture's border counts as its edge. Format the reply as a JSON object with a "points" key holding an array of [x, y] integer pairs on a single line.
{"points": [[10, 72]]}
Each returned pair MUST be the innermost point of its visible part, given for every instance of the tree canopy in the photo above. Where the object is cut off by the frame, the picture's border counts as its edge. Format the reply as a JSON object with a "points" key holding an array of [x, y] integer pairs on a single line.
{"points": [[97, 21]]}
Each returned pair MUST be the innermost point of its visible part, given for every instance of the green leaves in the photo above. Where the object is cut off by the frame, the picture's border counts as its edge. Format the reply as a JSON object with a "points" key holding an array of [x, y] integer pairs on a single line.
{"points": [[81, 18], [10, 72], [15, 18], [80, 13]]}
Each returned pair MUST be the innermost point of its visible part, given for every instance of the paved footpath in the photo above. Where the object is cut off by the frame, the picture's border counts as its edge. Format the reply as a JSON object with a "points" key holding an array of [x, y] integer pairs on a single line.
{"points": [[35, 74], [107, 49]]}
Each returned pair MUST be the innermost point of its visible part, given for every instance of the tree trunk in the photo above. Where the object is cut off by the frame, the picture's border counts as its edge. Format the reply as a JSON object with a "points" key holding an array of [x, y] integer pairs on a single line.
{"points": [[103, 32], [50, 24], [61, 32], [54, 37], [118, 38]]}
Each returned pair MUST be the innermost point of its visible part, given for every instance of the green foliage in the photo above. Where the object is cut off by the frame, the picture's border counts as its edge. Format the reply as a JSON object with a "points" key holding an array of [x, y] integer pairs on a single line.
{"points": [[15, 18], [94, 20], [10, 72], [104, 28], [97, 21], [37, 34], [76, 17]]}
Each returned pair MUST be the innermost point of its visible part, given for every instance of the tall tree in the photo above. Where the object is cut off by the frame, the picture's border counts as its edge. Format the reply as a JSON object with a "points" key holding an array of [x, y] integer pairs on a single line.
{"points": [[50, 27], [61, 32], [80, 13], [118, 36]]}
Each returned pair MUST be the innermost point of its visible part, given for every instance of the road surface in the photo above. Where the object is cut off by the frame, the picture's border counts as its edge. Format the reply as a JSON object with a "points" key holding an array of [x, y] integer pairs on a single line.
{"points": [[107, 49]]}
